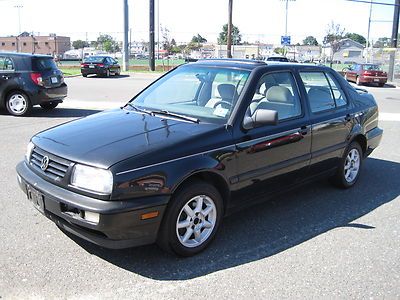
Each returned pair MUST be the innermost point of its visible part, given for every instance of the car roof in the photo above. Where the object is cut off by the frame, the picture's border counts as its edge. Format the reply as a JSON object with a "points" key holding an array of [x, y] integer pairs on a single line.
{"points": [[20, 54], [252, 64]]}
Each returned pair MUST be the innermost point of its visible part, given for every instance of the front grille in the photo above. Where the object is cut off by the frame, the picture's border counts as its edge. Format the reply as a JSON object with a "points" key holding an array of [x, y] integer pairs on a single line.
{"points": [[57, 166]]}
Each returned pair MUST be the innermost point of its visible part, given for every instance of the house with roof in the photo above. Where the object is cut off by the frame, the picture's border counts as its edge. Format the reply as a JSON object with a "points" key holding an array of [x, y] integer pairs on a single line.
{"points": [[349, 52]]}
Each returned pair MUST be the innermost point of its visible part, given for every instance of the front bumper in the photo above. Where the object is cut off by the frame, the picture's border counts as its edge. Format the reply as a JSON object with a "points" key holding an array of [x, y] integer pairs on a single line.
{"points": [[120, 224], [374, 137], [43, 95]]}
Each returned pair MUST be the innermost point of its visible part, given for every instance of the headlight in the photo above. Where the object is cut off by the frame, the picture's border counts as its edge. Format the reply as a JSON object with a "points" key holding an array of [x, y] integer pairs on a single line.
{"points": [[29, 150], [92, 179]]}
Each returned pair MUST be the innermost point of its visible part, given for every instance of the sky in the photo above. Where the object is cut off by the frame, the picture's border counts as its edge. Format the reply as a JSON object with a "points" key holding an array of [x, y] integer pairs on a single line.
{"points": [[257, 20]]}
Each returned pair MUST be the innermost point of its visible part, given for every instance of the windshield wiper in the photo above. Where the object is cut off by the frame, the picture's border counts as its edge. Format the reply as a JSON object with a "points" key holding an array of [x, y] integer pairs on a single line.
{"points": [[139, 109], [175, 115]]}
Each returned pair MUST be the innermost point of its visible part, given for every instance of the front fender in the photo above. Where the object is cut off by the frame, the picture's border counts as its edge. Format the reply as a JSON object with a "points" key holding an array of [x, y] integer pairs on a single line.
{"points": [[165, 177]]}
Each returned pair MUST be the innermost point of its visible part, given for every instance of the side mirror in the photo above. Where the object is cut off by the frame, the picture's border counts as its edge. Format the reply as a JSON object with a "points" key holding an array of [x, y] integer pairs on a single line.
{"points": [[261, 117]]}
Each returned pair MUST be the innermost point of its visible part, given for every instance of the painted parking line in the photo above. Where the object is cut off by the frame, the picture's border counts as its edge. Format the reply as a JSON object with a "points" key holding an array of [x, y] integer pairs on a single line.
{"points": [[394, 117]]}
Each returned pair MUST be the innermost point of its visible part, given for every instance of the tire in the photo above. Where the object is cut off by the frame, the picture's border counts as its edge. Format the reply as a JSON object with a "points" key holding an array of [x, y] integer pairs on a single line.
{"points": [[49, 105], [349, 166], [188, 228], [18, 104], [107, 73], [84, 75], [358, 80], [118, 73]]}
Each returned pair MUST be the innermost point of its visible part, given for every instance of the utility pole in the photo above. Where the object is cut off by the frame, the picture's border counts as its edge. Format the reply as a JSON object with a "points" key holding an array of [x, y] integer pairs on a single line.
{"points": [[395, 32], [126, 51], [229, 37], [369, 29], [158, 29], [152, 64]]}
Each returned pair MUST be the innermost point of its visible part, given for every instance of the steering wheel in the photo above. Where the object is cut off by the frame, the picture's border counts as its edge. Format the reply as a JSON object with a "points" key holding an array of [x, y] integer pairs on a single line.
{"points": [[223, 102]]}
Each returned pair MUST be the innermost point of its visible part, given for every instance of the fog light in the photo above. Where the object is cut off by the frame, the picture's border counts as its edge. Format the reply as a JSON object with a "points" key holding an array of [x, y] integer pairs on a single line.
{"points": [[91, 217]]}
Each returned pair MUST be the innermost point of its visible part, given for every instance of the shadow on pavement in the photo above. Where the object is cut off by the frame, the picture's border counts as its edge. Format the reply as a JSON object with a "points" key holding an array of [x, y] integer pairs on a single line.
{"points": [[111, 77], [270, 228]]}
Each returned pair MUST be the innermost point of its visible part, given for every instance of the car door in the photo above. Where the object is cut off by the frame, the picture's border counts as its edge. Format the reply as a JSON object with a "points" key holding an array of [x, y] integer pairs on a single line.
{"points": [[330, 117], [271, 158], [351, 73], [7, 74]]}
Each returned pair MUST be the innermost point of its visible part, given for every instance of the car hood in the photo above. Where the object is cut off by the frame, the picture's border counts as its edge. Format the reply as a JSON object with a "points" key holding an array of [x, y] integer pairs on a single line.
{"points": [[109, 137]]}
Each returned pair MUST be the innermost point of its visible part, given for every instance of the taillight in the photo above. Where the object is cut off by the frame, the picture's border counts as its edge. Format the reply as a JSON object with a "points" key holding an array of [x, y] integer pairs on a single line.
{"points": [[84, 65], [100, 65], [366, 73], [37, 78]]}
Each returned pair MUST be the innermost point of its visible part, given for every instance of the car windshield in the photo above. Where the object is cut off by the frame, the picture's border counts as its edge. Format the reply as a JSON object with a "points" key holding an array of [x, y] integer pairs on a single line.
{"points": [[372, 68], [42, 64], [94, 59], [208, 94]]}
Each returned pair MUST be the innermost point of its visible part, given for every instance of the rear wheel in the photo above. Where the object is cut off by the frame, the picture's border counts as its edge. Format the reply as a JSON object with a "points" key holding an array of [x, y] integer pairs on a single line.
{"points": [[108, 73], [84, 75], [191, 220], [18, 104], [349, 166], [49, 105]]}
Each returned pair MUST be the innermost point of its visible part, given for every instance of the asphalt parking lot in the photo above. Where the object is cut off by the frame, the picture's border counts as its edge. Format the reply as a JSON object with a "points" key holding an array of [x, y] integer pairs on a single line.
{"points": [[314, 242]]}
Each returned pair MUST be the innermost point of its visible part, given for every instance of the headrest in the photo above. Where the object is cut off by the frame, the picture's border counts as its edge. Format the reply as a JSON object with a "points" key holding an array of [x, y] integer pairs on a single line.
{"points": [[279, 94], [321, 93], [227, 91]]}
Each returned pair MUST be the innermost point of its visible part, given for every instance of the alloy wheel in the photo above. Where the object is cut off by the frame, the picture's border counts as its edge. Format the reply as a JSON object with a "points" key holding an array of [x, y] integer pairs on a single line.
{"points": [[196, 221], [352, 165]]}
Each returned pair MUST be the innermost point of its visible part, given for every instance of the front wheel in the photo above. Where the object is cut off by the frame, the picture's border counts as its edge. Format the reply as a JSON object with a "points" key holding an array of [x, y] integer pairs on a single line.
{"points": [[349, 166], [191, 220], [18, 104], [358, 82]]}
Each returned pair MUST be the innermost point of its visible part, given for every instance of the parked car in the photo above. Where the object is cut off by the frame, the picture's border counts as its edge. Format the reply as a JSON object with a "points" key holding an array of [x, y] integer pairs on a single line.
{"points": [[206, 139], [277, 58], [366, 73], [100, 65], [27, 80]]}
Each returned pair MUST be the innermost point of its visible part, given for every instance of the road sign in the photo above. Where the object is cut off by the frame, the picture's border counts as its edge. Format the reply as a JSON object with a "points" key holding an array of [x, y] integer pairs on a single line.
{"points": [[285, 40]]}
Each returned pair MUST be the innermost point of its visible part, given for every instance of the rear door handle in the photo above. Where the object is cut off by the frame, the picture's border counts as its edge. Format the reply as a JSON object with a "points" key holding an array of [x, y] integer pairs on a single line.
{"points": [[303, 130]]}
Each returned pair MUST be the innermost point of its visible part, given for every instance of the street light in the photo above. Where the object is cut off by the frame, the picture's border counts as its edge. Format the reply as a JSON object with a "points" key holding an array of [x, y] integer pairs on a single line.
{"points": [[19, 17], [286, 19]]}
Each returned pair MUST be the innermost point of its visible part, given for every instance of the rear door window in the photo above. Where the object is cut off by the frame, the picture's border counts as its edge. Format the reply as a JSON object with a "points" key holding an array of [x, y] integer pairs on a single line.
{"points": [[43, 64], [6, 64]]}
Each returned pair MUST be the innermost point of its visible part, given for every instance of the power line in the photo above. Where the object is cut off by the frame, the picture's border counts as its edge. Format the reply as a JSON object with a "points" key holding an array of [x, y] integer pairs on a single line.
{"points": [[375, 3]]}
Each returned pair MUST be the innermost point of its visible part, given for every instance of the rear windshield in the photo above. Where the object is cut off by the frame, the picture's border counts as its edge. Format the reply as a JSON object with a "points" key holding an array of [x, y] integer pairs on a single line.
{"points": [[42, 64], [372, 68], [94, 59]]}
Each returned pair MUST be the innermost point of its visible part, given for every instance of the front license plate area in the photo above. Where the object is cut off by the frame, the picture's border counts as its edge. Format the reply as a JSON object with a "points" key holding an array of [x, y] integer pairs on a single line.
{"points": [[36, 198], [54, 80]]}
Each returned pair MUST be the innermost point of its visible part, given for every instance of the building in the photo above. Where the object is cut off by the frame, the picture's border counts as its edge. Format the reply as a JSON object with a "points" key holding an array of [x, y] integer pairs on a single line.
{"points": [[51, 45], [238, 51], [349, 52]]}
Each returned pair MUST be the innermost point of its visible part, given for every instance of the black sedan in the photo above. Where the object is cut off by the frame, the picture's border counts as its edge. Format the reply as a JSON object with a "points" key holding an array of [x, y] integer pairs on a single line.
{"points": [[27, 80], [202, 141], [100, 65]]}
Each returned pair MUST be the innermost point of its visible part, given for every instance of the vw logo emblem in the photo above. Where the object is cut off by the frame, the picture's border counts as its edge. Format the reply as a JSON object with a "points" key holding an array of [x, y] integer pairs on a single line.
{"points": [[44, 163]]}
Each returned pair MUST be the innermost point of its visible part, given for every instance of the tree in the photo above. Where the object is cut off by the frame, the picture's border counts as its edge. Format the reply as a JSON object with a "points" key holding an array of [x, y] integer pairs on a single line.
{"points": [[107, 43], [198, 39], [310, 41], [279, 50], [334, 35], [223, 36], [356, 37], [79, 44], [383, 42]]}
